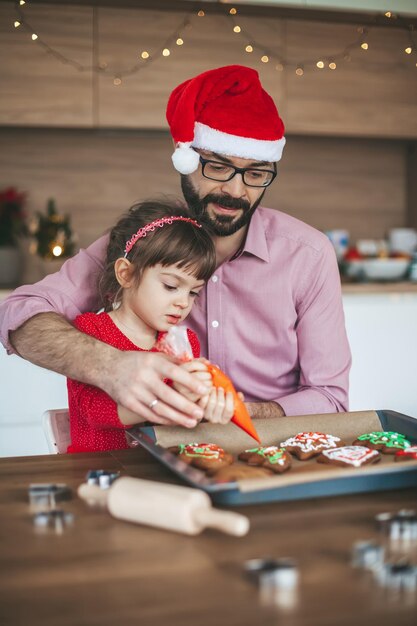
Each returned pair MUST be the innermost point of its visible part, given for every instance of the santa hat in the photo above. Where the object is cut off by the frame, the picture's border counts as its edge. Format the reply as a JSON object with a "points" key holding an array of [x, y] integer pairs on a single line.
{"points": [[227, 111]]}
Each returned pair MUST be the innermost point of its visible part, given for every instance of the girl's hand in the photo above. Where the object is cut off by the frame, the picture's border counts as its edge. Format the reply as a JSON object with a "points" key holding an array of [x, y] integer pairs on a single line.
{"points": [[219, 407], [198, 370]]}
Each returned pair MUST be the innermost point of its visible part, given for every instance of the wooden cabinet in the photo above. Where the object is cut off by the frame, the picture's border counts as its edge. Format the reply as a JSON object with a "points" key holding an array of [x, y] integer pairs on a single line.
{"points": [[372, 95]]}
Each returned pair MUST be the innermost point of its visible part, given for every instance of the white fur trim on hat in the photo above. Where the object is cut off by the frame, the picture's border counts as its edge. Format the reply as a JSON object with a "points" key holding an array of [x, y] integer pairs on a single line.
{"points": [[185, 159], [207, 138]]}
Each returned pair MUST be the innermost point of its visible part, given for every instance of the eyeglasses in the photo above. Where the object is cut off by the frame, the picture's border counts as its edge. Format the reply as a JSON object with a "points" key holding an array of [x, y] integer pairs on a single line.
{"points": [[252, 177]]}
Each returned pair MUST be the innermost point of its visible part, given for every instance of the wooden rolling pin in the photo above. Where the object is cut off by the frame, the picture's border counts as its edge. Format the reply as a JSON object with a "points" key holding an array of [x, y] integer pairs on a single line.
{"points": [[181, 509]]}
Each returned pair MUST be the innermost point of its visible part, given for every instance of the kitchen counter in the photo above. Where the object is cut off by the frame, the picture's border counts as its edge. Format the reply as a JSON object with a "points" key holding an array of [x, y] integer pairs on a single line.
{"points": [[104, 571], [379, 287]]}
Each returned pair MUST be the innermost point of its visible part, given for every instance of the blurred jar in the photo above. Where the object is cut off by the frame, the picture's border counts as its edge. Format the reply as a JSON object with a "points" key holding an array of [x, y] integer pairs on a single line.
{"points": [[340, 241]]}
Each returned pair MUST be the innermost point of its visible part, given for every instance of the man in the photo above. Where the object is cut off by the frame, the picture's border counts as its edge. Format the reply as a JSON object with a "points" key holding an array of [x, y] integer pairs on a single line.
{"points": [[271, 316]]}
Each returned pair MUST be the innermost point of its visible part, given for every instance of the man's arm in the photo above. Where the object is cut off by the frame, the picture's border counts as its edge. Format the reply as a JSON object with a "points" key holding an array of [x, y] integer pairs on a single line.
{"points": [[264, 410], [132, 379]]}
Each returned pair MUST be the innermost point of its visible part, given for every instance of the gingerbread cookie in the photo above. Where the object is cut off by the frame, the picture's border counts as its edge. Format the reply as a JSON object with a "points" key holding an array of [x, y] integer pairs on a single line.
{"points": [[352, 456], [308, 444], [273, 458], [408, 454], [205, 456], [386, 442], [240, 472]]}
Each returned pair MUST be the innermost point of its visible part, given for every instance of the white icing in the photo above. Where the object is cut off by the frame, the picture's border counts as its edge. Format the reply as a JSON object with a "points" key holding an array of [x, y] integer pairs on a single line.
{"points": [[351, 455], [309, 442]]}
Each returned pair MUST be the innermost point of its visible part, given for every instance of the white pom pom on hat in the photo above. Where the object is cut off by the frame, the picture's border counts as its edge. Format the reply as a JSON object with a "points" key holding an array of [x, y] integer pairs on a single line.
{"points": [[227, 111], [185, 159]]}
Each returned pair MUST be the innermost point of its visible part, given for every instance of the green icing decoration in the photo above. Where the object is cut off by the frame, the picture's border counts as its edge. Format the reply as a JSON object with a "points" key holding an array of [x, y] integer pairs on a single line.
{"points": [[389, 439], [271, 458]]}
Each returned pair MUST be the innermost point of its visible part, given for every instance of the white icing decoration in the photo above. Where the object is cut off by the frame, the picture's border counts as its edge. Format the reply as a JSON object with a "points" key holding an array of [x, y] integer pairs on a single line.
{"points": [[309, 442], [351, 455]]}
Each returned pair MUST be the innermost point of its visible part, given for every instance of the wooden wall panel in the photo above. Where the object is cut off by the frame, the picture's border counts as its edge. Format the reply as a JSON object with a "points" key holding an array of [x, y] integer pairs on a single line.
{"points": [[96, 175], [374, 95], [36, 88]]}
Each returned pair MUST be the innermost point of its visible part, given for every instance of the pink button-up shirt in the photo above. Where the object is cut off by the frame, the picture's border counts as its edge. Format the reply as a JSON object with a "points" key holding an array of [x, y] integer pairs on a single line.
{"points": [[271, 318]]}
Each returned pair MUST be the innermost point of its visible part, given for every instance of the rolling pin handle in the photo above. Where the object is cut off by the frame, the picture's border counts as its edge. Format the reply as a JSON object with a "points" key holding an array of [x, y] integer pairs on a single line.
{"points": [[230, 523], [92, 494]]}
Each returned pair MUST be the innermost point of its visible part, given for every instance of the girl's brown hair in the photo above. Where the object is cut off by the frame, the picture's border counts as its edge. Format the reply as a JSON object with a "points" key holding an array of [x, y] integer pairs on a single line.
{"points": [[179, 243]]}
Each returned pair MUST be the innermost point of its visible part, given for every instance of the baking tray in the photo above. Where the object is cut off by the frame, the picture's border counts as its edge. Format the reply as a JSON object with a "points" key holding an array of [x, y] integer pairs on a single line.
{"points": [[307, 479]]}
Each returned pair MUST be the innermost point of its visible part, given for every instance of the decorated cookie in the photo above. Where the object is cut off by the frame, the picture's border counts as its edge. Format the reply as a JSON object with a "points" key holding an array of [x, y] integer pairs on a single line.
{"points": [[273, 458], [205, 456], [387, 442], [240, 472], [308, 444], [351, 456], [408, 454]]}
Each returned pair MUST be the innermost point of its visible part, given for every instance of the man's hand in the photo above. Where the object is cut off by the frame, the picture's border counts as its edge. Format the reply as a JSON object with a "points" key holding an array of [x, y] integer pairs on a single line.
{"points": [[198, 369], [136, 381], [133, 379]]}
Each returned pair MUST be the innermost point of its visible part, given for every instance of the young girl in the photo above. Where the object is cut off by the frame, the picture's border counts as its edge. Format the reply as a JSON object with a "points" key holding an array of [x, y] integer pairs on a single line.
{"points": [[158, 259]]}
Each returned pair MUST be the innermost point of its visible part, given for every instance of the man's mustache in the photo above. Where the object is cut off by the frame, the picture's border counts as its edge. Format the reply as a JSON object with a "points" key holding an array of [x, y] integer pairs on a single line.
{"points": [[227, 202]]}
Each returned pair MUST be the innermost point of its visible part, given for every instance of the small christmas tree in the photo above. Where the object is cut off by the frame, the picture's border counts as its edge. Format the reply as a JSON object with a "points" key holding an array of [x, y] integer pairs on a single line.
{"points": [[53, 234]]}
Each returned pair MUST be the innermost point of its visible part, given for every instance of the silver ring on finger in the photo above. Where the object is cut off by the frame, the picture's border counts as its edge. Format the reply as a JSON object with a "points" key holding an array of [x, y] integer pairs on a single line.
{"points": [[153, 404]]}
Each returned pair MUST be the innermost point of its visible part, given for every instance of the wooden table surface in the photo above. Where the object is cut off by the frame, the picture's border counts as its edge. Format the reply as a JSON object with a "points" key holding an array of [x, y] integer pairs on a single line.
{"points": [[102, 571]]}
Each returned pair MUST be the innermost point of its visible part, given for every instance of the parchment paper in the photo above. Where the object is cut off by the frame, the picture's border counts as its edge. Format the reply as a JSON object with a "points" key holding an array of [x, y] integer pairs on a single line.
{"points": [[347, 426]]}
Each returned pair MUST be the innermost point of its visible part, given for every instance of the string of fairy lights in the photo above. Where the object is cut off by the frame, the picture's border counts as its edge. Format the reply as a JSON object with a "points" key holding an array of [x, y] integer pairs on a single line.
{"points": [[251, 46]]}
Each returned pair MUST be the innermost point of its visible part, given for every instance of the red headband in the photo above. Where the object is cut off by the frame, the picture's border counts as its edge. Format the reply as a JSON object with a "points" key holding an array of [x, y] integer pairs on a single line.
{"points": [[142, 232]]}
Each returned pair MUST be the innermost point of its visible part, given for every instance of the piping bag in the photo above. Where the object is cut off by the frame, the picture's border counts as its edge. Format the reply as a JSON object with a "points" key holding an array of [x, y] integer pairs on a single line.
{"points": [[175, 344]]}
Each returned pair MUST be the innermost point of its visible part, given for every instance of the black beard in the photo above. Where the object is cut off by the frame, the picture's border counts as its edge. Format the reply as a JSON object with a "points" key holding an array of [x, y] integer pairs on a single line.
{"points": [[220, 225]]}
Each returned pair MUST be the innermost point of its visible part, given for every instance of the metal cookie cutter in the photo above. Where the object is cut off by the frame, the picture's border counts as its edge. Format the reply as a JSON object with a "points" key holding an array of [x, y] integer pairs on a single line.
{"points": [[401, 577], [401, 526], [46, 495], [56, 520], [277, 581], [102, 478], [368, 555]]}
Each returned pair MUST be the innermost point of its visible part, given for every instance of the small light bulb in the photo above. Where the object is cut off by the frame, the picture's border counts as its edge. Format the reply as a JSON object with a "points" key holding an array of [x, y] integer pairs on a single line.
{"points": [[166, 52], [16, 24], [249, 49], [233, 11], [117, 81], [299, 71], [236, 29], [265, 58], [179, 41], [364, 46], [57, 251], [34, 37], [388, 14], [145, 54], [332, 65], [201, 14], [408, 50], [22, 2], [320, 64]]}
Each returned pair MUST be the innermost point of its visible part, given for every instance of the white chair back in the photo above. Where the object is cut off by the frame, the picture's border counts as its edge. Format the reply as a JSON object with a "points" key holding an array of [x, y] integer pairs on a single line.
{"points": [[56, 426]]}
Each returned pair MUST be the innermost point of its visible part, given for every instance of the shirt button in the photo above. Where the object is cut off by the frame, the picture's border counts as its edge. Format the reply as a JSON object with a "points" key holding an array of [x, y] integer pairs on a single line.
{"points": [[215, 323], [214, 278]]}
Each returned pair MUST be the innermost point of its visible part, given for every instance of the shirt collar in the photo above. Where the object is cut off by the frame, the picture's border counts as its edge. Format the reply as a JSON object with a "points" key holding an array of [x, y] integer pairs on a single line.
{"points": [[256, 242]]}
